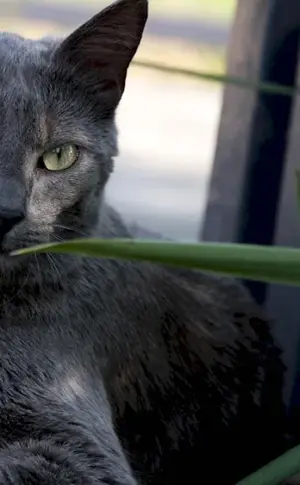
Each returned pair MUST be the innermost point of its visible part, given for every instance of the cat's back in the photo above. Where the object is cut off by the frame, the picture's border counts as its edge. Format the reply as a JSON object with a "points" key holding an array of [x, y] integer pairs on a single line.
{"points": [[196, 370], [218, 311]]}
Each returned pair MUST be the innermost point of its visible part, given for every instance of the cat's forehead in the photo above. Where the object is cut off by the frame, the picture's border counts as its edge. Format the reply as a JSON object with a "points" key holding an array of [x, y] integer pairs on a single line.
{"points": [[21, 66], [18, 54], [22, 83]]}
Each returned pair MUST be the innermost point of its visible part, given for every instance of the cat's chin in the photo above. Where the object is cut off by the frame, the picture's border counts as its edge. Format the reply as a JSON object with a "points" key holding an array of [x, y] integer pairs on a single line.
{"points": [[32, 266], [17, 265], [11, 263]]}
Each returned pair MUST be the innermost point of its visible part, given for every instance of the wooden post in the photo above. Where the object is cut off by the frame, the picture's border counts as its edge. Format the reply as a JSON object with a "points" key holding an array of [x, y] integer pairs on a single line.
{"points": [[250, 152], [251, 164], [283, 302]]}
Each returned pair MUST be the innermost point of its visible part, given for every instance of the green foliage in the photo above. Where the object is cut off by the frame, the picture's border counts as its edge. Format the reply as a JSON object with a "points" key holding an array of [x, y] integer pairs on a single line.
{"points": [[264, 87], [275, 472], [264, 263]]}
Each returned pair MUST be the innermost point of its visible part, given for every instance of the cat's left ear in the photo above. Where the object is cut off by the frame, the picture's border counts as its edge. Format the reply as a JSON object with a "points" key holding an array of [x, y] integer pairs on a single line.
{"points": [[99, 52]]}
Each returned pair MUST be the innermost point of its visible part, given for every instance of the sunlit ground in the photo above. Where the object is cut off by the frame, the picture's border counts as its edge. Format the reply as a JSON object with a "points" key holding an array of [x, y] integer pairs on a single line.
{"points": [[168, 128]]}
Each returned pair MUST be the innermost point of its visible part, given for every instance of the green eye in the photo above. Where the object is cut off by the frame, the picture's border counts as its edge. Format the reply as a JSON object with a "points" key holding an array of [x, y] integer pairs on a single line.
{"points": [[60, 158]]}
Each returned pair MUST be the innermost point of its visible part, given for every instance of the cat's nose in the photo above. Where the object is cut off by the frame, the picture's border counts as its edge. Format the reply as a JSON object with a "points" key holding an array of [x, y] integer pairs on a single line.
{"points": [[8, 219]]}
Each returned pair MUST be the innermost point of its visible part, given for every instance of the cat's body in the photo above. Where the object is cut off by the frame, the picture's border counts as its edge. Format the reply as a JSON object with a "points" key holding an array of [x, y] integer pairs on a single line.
{"points": [[187, 361], [96, 356]]}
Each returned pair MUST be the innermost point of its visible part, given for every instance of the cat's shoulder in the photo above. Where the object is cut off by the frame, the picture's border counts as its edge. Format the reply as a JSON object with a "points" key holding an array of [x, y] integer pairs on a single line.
{"points": [[198, 301]]}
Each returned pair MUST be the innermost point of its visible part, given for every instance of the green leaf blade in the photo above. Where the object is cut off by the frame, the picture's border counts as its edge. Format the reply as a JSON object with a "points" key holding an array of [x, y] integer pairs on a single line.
{"points": [[265, 263], [278, 470]]}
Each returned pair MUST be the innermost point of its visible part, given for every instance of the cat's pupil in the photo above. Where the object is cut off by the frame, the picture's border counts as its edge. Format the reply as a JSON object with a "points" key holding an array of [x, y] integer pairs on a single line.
{"points": [[58, 152]]}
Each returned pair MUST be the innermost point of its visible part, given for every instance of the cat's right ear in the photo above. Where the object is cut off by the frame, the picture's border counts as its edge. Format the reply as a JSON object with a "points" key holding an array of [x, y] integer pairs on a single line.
{"points": [[98, 53]]}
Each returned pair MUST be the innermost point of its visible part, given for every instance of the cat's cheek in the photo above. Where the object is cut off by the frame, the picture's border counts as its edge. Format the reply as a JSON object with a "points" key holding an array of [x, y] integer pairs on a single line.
{"points": [[41, 214], [45, 203]]}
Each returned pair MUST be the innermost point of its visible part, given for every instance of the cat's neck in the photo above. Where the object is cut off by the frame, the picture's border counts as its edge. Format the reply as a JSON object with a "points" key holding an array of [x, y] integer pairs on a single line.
{"points": [[111, 224], [42, 273]]}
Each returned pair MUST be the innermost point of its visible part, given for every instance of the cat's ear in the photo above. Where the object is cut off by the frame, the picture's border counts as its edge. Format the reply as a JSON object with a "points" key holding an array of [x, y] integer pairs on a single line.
{"points": [[99, 52]]}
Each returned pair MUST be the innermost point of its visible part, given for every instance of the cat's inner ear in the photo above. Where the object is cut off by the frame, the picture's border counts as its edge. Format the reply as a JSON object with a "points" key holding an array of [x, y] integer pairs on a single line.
{"points": [[99, 52]]}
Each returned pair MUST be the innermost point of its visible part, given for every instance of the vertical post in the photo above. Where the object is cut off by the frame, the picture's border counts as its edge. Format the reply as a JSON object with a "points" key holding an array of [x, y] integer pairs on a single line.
{"points": [[283, 302], [250, 153], [252, 168]]}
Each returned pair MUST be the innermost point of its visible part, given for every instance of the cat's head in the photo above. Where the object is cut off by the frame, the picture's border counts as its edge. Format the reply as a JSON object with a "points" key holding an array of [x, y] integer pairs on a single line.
{"points": [[57, 131]]}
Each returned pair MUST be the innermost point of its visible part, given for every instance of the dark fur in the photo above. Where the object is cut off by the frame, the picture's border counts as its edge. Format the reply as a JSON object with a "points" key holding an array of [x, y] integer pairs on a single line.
{"points": [[177, 368]]}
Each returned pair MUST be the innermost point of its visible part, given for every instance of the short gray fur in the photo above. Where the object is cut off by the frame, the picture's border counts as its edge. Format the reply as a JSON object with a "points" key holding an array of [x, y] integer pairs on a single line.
{"points": [[111, 370]]}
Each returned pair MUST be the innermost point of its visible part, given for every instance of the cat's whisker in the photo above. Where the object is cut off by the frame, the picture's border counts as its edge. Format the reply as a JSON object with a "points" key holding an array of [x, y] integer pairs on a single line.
{"points": [[39, 278], [57, 237], [67, 228], [53, 266]]}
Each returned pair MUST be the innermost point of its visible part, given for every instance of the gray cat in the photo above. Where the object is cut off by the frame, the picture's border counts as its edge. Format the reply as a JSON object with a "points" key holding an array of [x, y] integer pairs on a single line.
{"points": [[111, 372]]}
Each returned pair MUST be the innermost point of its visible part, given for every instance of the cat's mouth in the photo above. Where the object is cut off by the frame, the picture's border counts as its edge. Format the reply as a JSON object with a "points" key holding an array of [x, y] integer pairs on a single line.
{"points": [[19, 239], [9, 263], [7, 250], [8, 247]]}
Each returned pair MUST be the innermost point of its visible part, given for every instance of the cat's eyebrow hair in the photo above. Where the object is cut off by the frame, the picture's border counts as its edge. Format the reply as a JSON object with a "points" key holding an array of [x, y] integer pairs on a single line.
{"points": [[43, 129], [73, 137], [52, 133]]}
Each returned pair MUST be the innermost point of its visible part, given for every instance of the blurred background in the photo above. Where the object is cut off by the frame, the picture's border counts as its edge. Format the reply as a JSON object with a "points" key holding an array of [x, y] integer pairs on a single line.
{"points": [[167, 121]]}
